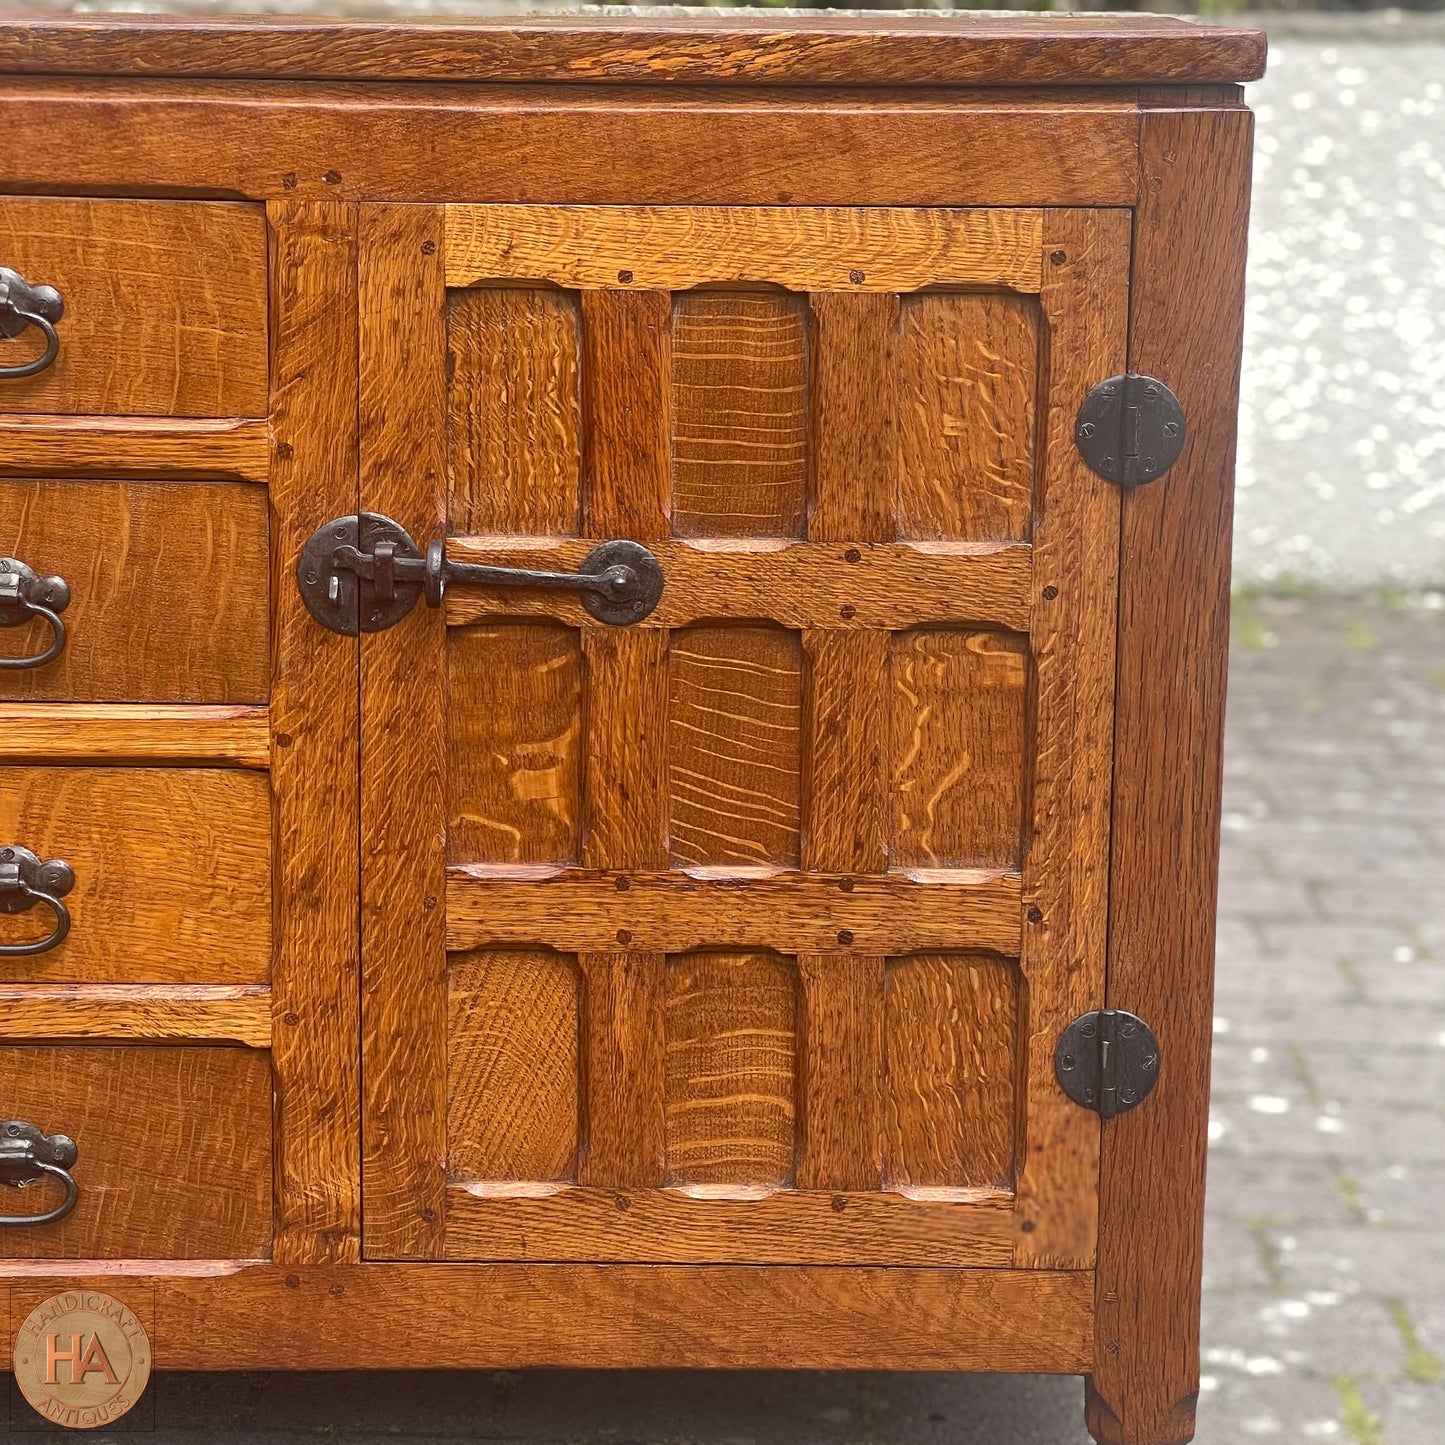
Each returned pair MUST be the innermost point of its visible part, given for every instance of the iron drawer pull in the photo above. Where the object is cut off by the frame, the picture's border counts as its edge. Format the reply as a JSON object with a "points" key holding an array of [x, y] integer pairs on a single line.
{"points": [[22, 305], [26, 881], [365, 573], [26, 1156], [24, 595]]}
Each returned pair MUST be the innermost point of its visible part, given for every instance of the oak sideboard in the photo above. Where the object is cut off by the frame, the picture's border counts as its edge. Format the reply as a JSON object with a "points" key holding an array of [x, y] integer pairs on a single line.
{"points": [[613, 660]]}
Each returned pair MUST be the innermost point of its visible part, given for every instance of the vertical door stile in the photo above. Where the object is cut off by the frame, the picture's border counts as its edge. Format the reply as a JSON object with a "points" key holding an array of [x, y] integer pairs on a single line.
{"points": [[403, 702], [626, 486], [1085, 301], [313, 718]]}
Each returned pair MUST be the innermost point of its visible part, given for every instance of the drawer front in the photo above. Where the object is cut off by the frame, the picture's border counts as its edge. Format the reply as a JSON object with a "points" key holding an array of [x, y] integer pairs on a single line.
{"points": [[168, 587], [164, 307], [172, 873], [173, 1151]]}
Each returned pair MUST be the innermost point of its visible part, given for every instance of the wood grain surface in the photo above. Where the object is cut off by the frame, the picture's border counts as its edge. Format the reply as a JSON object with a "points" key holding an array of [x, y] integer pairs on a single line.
{"points": [[174, 1150], [739, 407], [855, 586], [635, 1223], [723, 48], [314, 731], [403, 744], [1173, 624], [514, 425], [165, 306], [581, 910], [172, 873], [77, 732], [1066, 886], [350, 142], [660, 248], [128, 447], [460, 1317], [181, 1013], [512, 1042], [169, 590]]}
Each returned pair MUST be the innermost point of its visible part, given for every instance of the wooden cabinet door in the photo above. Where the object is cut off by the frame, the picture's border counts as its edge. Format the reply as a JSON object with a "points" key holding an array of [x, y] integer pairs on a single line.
{"points": [[744, 933]]}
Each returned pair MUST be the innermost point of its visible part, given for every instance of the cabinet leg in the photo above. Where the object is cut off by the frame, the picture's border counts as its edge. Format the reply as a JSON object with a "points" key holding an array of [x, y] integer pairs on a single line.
{"points": [[1139, 1418]]}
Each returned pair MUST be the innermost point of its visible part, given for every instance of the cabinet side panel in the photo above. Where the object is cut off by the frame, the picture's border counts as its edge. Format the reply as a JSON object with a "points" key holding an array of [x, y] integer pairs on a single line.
{"points": [[1185, 328]]}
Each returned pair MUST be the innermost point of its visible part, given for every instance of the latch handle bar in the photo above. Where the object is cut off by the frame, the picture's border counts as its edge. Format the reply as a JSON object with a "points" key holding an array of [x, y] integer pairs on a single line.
{"points": [[365, 573]]}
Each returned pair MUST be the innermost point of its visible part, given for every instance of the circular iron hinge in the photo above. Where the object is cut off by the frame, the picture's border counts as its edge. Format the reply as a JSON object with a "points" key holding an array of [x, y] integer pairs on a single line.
{"points": [[639, 582], [1130, 429], [1107, 1061]]}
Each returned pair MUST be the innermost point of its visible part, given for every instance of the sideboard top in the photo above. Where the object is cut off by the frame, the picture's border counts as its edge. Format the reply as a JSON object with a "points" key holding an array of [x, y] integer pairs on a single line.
{"points": [[726, 47]]}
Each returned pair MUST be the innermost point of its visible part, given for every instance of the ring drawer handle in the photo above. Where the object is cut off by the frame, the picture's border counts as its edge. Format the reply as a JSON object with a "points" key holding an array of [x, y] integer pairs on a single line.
{"points": [[27, 1156], [26, 881], [22, 305], [24, 595]]}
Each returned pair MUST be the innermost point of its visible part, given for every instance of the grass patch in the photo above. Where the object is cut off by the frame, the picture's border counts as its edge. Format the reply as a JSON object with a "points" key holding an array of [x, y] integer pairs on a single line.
{"points": [[1348, 1188], [1360, 1423], [1421, 1365], [1264, 1246]]}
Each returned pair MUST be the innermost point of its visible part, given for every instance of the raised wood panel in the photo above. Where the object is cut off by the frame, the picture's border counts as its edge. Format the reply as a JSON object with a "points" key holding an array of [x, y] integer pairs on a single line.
{"points": [[713, 1225], [838, 585], [734, 764], [739, 414], [38, 732], [513, 411], [174, 1150], [169, 590], [583, 910], [513, 1066], [730, 1021], [629, 1316], [967, 375], [661, 248], [128, 447], [165, 306], [172, 873], [952, 1056], [514, 743], [958, 705]]}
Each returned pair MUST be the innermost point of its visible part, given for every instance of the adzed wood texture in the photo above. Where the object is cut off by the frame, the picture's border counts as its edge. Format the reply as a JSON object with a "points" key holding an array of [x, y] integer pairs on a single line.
{"points": [[165, 306], [456, 1316], [169, 590], [37, 733], [172, 873], [344, 142], [740, 968], [128, 447], [174, 1150], [184, 1013], [1173, 623], [726, 48], [315, 724]]}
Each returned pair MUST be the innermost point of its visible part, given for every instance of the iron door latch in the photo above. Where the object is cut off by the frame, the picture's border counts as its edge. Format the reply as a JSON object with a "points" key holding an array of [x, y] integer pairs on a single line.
{"points": [[365, 573], [1130, 429], [1108, 1061]]}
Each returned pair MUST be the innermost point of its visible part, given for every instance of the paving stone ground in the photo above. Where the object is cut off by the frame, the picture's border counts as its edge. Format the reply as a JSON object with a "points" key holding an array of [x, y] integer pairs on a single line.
{"points": [[1324, 1313]]}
